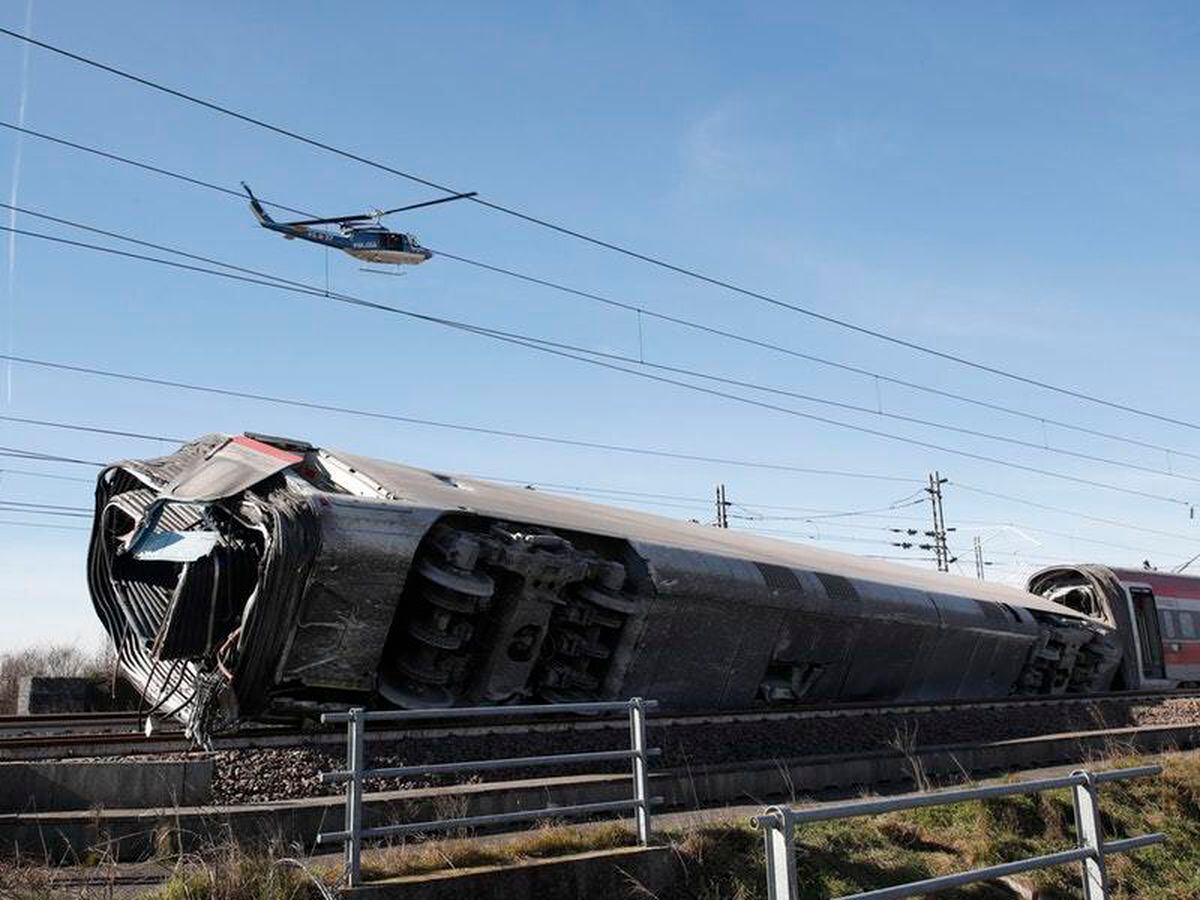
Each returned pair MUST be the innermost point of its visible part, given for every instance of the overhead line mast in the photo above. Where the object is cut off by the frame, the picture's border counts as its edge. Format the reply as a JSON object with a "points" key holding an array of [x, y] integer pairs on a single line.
{"points": [[599, 242], [940, 547]]}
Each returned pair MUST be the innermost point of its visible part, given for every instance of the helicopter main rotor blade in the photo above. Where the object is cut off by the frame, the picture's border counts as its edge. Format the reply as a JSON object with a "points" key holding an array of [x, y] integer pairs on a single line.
{"points": [[336, 220], [388, 212], [342, 220]]}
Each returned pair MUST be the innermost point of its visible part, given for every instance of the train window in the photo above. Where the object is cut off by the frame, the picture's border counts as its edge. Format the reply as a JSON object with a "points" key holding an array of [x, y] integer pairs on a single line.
{"points": [[1168, 623], [1187, 625]]}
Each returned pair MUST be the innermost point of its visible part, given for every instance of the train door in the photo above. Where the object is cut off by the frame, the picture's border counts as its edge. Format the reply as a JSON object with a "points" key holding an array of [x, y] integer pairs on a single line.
{"points": [[1145, 614]]}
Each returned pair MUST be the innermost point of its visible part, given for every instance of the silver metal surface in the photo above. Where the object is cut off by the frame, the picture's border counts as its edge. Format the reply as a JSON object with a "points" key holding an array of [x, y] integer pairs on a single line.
{"points": [[488, 712], [484, 765], [641, 783], [975, 876], [778, 825], [356, 757], [1089, 835], [353, 834], [524, 815]]}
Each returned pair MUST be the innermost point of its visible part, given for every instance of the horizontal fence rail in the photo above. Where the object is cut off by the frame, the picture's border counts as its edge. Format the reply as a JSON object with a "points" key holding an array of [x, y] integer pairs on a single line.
{"points": [[778, 824], [353, 834]]}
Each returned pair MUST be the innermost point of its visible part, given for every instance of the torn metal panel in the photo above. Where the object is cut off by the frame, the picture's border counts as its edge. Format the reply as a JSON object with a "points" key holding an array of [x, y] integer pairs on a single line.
{"points": [[174, 546], [263, 578], [237, 464]]}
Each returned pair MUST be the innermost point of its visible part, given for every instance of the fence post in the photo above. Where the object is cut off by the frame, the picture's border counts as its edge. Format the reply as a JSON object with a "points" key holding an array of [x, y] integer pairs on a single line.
{"points": [[641, 784], [780, 852], [356, 760], [1089, 833]]}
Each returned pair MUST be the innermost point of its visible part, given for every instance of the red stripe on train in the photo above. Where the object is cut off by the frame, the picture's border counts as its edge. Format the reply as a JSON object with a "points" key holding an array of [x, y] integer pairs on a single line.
{"points": [[1183, 587], [1188, 653]]}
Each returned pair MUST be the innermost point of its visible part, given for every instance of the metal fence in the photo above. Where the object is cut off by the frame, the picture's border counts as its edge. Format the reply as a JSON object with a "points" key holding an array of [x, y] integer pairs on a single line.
{"points": [[353, 834], [778, 824]]}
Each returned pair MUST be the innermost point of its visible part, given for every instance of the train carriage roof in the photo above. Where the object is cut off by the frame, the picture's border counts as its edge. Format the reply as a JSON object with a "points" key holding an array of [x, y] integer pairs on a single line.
{"points": [[464, 492]]}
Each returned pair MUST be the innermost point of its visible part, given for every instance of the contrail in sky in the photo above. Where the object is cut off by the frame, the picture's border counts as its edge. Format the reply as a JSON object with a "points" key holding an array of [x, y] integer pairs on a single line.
{"points": [[12, 195]]}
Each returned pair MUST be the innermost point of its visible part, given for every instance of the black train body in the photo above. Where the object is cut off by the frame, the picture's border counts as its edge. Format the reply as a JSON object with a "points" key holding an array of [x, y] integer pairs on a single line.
{"points": [[256, 578]]}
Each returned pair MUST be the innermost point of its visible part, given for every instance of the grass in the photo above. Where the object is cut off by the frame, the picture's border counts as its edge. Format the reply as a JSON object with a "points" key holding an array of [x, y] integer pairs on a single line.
{"points": [[725, 861], [545, 842], [844, 857]]}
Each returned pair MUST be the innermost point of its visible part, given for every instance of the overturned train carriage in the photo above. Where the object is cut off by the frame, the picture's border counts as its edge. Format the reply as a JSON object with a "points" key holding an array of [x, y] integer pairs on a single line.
{"points": [[258, 578]]}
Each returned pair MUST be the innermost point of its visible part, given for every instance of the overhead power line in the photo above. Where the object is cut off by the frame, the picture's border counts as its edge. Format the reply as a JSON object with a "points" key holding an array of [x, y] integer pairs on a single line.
{"points": [[29, 473], [1037, 529], [639, 310], [20, 524], [1025, 501], [430, 423], [631, 360], [823, 361], [18, 453], [822, 518], [45, 509], [91, 428], [557, 349], [812, 536], [57, 507], [599, 242], [115, 157]]}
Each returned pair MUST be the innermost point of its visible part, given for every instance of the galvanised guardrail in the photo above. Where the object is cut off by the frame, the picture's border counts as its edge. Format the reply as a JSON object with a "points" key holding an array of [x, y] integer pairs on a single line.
{"points": [[778, 824], [353, 835]]}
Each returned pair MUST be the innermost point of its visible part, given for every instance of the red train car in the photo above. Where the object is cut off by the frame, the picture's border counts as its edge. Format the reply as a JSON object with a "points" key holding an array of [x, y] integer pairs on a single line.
{"points": [[1156, 614]]}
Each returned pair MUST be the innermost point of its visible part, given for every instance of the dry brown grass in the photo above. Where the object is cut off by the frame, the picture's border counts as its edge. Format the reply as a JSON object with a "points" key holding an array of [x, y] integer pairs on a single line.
{"points": [[544, 842]]}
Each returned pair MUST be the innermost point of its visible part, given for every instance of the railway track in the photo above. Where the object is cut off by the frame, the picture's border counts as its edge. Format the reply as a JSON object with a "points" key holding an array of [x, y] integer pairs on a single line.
{"points": [[67, 735], [129, 833], [71, 723]]}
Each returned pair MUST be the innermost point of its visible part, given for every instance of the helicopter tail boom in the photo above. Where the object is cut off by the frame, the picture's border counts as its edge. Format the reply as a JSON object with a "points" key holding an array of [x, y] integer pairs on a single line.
{"points": [[256, 207]]}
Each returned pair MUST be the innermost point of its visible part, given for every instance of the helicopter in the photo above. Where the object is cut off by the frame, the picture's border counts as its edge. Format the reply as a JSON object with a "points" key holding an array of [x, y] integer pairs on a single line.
{"points": [[361, 236]]}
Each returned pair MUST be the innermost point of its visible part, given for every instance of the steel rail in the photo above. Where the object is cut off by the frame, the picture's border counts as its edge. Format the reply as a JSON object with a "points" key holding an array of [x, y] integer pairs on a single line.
{"points": [[449, 723]]}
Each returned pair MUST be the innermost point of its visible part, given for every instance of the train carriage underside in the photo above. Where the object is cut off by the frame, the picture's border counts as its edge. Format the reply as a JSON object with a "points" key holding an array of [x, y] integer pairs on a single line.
{"points": [[255, 578]]}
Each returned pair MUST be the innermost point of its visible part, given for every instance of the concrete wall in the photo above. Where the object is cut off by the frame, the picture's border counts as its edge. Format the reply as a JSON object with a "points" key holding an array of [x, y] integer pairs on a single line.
{"points": [[32, 787], [39, 694]]}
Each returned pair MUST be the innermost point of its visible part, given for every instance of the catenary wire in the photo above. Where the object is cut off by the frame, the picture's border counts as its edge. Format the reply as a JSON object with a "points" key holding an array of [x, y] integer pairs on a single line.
{"points": [[639, 310], [548, 347], [56, 527], [46, 423], [820, 518], [433, 423], [29, 473], [608, 245], [18, 453], [256, 275], [1070, 512]]}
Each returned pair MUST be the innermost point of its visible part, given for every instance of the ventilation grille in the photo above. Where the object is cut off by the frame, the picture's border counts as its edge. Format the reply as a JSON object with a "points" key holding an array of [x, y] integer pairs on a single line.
{"points": [[779, 578], [838, 588]]}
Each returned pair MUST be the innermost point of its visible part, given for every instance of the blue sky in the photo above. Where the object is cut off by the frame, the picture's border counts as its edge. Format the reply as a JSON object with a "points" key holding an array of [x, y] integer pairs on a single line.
{"points": [[1016, 183]]}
